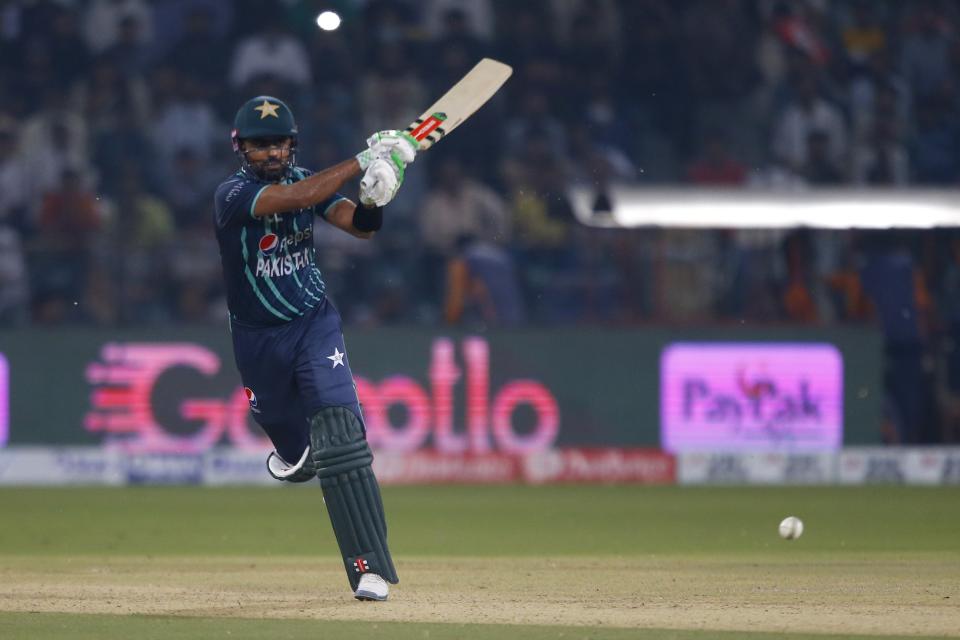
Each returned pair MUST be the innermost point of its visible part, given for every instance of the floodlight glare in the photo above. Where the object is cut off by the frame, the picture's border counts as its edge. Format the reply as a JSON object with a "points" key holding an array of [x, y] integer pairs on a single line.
{"points": [[328, 20]]}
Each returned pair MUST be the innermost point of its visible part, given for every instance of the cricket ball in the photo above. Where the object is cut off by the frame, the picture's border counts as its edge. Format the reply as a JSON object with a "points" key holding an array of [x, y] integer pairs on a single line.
{"points": [[791, 528]]}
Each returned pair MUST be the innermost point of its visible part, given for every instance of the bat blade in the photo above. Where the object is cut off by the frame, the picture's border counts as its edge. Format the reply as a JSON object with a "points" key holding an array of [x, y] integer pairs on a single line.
{"points": [[463, 99]]}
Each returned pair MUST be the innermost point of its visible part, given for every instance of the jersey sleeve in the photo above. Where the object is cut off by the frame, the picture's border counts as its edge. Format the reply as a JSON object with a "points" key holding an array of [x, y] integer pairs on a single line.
{"points": [[323, 208], [235, 200], [327, 205]]}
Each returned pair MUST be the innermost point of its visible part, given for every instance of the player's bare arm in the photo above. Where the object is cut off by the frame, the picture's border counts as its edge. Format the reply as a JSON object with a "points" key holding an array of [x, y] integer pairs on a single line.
{"points": [[383, 166], [343, 216], [280, 198]]}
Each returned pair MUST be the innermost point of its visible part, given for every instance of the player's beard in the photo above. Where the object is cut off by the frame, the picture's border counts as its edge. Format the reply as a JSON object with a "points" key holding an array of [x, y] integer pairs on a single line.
{"points": [[271, 170]]}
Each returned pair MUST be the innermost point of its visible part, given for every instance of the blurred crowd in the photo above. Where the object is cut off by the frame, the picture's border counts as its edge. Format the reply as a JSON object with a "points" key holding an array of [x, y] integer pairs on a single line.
{"points": [[114, 132]]}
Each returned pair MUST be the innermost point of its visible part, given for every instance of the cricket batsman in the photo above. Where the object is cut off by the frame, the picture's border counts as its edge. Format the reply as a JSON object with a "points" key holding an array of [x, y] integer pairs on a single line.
{"points": [[287, 337]]}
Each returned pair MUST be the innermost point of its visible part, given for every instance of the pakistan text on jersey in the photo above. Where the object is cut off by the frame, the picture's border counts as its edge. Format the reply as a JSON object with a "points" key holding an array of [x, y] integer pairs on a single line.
{"points": [[283, 265]]}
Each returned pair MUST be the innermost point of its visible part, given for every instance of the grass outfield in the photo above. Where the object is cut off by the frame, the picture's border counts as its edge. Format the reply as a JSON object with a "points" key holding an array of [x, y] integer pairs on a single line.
{"points": [[484, 562]]}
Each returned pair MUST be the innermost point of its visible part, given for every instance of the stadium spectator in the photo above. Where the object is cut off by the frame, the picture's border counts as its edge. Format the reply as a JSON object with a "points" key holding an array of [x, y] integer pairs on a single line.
{"points": [[655, 36], [270, 52], [448, 60], [820, 168], [478, 210], [807, 112], [332, 58], [70, 218], [800, 303], [925, 52], [891, 280], [602, 116], [748, 272], [863, 34], [390, 91], [776, 176], [194, 31], [197, 53], [610, 284], [333, 133], [542, 216], [948, 355], [525, 39], [879, 96], [604, 17], [454, 51], [186, 120], [800, 26], [69, 214], [475, 17], [389, 22], [69, 53], [140, 233], [196, 288], [716, 165], [596, 164], [589, 45], [455, 206], [845, 289], [186, 188], [543, 231], [933, 149], [103, 22], [52, 140], [533, 119], [687, 277], [883, 160], [14, 292], [15, 204], [129, 52], [108, 96], [482, 286], [719, 66], [141, 220], [121, 143]]}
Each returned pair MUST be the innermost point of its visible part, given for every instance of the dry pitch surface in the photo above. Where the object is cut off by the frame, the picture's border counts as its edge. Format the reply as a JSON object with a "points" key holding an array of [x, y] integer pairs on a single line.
{"points": [[907, 598], [762, 586]]}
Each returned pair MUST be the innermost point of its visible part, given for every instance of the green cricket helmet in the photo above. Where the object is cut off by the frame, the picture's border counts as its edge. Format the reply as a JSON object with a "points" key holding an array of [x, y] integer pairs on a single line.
{"points": [[263, 117]]}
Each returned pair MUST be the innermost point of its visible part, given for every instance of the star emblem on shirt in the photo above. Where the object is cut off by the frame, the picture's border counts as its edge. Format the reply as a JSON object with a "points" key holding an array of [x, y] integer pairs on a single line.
{"points": [[337, 357], [268, 109]]}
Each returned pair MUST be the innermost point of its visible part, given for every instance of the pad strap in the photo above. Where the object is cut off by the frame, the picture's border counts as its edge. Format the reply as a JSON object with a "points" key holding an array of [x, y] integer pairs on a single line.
{"points": [[303, 471]]}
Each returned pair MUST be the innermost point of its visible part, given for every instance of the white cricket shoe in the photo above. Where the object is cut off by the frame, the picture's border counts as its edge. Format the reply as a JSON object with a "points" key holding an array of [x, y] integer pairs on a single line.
{"points": [[371, 587]]}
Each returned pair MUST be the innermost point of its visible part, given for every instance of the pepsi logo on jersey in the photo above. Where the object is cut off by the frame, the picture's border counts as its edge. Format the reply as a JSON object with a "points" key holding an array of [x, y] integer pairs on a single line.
{"points": [[269, 243], [252, 399]]}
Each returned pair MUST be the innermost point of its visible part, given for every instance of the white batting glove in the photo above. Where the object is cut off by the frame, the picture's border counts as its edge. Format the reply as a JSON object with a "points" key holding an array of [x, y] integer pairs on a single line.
{"points": [[399, 147], [380, 183], [365, 158], [393, 141]]}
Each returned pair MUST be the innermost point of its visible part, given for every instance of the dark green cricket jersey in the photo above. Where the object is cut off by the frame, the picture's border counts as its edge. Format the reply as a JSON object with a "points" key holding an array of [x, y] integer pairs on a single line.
{"points": [[268, 262]]}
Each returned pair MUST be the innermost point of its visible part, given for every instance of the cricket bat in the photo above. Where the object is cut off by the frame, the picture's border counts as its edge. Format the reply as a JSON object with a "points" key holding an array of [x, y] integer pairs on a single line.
{"points": [[460, 102]]}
